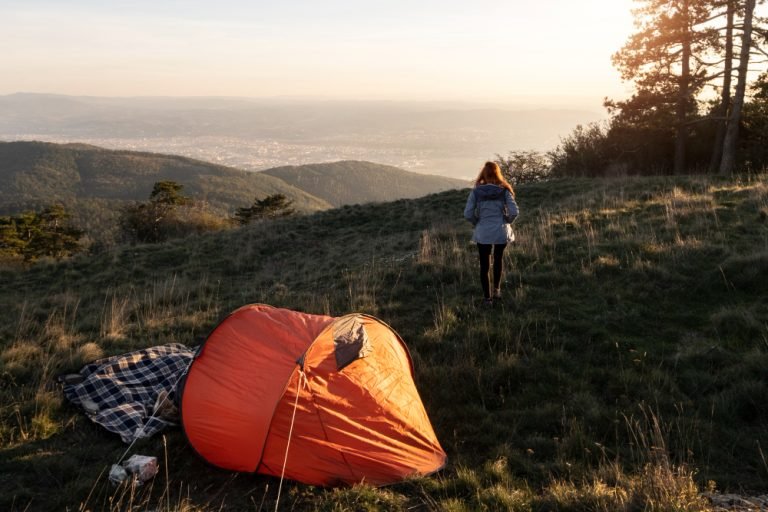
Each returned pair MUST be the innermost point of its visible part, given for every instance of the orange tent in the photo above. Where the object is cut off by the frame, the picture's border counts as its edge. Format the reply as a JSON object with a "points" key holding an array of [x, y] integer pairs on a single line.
{"points": [[341, 388]]}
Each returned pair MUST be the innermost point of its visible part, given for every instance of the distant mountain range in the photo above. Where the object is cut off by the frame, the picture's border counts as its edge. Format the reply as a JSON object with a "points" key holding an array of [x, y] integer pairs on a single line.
{"points": [[351, 182], [39, 173]]}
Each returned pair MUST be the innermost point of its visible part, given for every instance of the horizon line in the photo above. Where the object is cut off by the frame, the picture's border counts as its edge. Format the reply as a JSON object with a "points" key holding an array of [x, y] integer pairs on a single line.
{"points": [[533, 103]]}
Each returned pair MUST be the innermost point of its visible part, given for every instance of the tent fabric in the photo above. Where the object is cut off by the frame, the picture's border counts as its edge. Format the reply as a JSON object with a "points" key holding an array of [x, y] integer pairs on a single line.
{"points": [[240, 374], [121, 393], [358, 415]]}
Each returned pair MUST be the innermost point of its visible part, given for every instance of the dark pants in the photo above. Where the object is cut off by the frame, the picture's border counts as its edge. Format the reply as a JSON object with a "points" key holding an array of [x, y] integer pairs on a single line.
{"points": [[485, 265]]}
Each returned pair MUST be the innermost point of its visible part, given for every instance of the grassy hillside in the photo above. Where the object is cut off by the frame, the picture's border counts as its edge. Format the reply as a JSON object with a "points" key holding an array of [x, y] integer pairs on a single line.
{"points": [[352, 182], [96, 183], [34, 173], [624, 370]]}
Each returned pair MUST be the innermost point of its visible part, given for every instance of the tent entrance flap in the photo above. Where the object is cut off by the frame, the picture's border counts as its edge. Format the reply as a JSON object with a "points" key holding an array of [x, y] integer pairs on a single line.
{"points": [[350, 341]]}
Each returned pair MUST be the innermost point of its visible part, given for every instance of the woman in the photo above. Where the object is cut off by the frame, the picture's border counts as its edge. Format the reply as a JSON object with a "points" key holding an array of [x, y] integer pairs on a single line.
{"points": [[491, 208]]}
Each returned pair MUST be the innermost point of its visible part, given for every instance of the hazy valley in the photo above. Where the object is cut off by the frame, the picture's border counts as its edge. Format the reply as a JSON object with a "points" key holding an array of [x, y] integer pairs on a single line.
{"points": [[432, 138]]}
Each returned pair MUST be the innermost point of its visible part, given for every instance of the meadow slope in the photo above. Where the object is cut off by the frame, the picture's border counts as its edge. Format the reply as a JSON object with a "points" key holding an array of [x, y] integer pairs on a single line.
{"points": [[625, 368]]}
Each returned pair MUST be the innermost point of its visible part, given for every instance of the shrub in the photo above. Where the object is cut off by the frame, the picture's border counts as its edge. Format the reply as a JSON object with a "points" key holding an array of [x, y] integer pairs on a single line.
{"points": [[271, 207], [524, 166], [168, 215], [582, 153], [35, 235]]}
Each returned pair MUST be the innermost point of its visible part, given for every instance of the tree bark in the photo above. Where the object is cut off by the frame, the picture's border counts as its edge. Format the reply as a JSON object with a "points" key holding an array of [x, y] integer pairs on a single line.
{"points": [[681, 131], [725, 94], [728, 162]]}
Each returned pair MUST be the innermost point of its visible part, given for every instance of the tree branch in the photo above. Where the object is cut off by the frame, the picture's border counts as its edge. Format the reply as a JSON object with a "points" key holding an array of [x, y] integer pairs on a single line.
{"points": [[704, 119], [708, 64]]}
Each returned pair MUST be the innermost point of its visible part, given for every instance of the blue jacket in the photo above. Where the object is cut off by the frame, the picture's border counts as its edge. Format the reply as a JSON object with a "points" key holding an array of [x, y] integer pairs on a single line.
{"points": [[491, 209]]}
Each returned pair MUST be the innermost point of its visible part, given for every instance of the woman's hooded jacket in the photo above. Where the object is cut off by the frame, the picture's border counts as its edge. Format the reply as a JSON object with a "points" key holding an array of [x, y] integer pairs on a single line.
{"points": [[491, 209]]}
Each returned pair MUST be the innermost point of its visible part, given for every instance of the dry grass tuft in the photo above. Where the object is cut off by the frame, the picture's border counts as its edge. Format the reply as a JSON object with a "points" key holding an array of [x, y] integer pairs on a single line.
{"points": [[21, 357]]}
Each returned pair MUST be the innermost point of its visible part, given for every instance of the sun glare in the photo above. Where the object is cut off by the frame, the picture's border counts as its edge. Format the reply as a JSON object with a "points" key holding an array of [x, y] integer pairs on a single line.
{"points": [[495, 51]]}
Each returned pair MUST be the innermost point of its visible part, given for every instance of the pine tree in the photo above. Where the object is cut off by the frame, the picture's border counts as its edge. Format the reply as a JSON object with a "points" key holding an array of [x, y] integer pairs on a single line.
{"points": [[32, 235], [276, 205], [722, 109], [728, 162], [143, 222], [665, 60]]}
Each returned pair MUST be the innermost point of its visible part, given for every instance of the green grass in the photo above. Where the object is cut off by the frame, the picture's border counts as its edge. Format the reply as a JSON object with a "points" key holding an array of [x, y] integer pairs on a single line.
{"points": [[624, 370]]}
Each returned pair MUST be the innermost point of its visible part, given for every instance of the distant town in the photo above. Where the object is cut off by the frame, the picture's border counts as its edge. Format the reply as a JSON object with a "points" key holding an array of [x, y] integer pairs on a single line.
{"points": [[427, 138], [258, 154]]}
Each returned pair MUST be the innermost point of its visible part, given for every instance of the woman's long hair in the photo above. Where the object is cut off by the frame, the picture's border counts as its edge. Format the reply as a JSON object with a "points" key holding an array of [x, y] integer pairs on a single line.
{"points": [[491, 174]]}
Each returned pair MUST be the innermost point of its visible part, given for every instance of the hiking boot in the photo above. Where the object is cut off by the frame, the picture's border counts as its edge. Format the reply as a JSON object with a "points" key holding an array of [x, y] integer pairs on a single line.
{"points": [[497, 293], [487, 303]]}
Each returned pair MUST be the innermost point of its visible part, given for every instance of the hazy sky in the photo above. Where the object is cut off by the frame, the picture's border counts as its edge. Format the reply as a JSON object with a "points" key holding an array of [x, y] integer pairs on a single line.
{"points": [[510, 51]]}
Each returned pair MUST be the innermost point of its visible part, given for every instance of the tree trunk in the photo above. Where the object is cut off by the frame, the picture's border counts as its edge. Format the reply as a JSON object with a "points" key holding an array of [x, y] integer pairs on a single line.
{"points": [[681, 132], [732, 131], [721, 112]]}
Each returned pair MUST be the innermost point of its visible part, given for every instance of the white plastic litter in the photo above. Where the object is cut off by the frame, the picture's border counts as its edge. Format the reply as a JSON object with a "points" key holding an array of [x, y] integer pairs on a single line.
{"points": [[140, 467], [144, 467], [117, 474]]}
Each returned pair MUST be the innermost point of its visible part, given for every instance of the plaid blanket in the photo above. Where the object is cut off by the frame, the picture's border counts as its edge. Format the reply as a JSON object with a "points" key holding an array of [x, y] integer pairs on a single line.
{"points": [[121, 393]]}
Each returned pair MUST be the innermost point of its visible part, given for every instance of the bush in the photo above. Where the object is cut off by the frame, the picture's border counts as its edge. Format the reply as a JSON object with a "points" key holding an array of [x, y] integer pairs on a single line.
{"points": [[271, 207], [582, 153], [524, 166], [168, 215], [35, 235]]}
